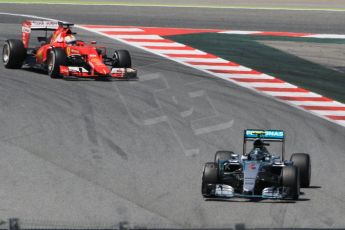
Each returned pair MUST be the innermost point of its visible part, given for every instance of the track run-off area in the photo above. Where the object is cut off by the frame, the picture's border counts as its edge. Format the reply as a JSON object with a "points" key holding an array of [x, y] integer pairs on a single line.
{"points": [[89, 153]]}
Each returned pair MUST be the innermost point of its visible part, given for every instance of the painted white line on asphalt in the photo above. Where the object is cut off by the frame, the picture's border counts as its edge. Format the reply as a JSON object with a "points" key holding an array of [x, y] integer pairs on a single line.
{"points": [[284, 34], [166, 44], [340, 122], [235, 68], [28, 16], [238, 76], [270, 85], [293, 94], [199, 60], [330, 112], [130, 36], [318, 103], [334, 36], [239, 32], [104, 30], [178, 51]]}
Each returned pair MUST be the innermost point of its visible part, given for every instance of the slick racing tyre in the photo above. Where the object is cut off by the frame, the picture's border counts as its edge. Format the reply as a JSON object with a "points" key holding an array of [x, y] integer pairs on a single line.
{"points": [[222, 155], [122, 59], [56, 58], [209, 178], [13, 54], [290, 180], [302, 161]]}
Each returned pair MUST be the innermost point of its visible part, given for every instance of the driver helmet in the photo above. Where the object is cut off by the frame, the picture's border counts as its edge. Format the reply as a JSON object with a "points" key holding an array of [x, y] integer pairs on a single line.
{"points": [[258, 144], [70, 39]]}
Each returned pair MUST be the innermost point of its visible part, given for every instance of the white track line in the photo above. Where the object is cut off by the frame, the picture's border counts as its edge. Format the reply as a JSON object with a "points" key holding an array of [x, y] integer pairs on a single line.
{"points": [[104, 30], [132, 36], [239, 32], [181, 59], [166, 44], [236, 68], [178, 51], [333, 36], [238, 76], [270, 85], [318, 103], [330, 112], [293, 94]]}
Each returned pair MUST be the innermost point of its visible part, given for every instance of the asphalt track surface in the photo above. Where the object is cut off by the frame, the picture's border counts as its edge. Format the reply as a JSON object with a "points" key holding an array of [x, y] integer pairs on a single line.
{"points": [[87, 153]]}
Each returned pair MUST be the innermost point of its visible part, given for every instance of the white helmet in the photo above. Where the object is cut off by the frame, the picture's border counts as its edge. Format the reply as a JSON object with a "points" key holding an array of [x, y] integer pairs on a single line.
{"points": [[70, 39]]}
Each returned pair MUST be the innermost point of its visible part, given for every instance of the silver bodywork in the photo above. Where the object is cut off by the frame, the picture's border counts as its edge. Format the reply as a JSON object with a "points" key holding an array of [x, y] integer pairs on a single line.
{"points": [[249, 177]]}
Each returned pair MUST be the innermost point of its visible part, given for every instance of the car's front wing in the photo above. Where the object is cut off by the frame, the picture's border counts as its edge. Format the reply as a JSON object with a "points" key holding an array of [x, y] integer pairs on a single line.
{"points": [[226, 191], [116, 73]]}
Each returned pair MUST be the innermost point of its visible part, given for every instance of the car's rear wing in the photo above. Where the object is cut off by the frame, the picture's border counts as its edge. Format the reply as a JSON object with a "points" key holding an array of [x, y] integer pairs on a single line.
{"points": [[267, 135], [40, 25], [272, 135], [29, 25]]}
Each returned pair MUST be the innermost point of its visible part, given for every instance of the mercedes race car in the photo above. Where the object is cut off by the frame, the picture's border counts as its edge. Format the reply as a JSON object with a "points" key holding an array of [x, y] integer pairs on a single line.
{"points": [[61, 55], [258, 173]]}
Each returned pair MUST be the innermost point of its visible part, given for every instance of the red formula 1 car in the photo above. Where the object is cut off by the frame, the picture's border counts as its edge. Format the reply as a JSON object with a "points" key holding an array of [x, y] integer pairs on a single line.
{"points": [[64, 56]]}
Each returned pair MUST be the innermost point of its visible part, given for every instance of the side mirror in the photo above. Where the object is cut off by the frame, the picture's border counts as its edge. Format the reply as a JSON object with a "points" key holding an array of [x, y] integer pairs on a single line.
{"points": [[93, 42]]}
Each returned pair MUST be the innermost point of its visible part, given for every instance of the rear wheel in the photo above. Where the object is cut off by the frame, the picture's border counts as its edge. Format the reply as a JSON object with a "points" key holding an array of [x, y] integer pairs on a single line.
{"points": [[56, 58], [302, 161], [222, 155], [13, 54], [122, 59], [290, 180], [210, 176]]}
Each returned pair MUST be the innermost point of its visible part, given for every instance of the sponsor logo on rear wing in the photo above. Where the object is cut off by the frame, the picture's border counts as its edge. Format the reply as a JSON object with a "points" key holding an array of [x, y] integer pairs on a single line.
{"points": [[277, 135], [40, 25]]}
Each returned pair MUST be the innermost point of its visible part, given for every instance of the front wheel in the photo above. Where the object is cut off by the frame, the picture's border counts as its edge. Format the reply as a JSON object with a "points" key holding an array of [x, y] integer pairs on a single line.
{"points": [[122, 59], [13, 54], [302, 161], [56, 58], [290, 180], [209, 178]]}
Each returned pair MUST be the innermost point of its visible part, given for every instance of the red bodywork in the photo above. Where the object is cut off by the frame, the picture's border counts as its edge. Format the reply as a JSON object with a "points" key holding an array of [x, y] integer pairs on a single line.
{"points": [[87, 51]]}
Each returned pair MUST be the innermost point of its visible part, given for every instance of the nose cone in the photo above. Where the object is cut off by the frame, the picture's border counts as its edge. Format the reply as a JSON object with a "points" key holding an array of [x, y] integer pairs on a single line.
{"points": [[250, 172], [99, 66]]}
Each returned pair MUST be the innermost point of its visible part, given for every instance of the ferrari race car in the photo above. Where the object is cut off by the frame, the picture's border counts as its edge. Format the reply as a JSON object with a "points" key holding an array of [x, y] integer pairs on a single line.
{"points": [[257, 174], [63, 56]]}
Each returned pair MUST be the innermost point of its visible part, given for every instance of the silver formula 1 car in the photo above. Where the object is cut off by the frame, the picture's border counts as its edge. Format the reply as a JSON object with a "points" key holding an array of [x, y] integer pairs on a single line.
{"points": [[257, 173]]}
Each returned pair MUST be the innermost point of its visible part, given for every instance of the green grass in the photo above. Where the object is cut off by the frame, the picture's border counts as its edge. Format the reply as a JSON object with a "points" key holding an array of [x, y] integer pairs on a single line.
{"points": [[248, 51]]}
